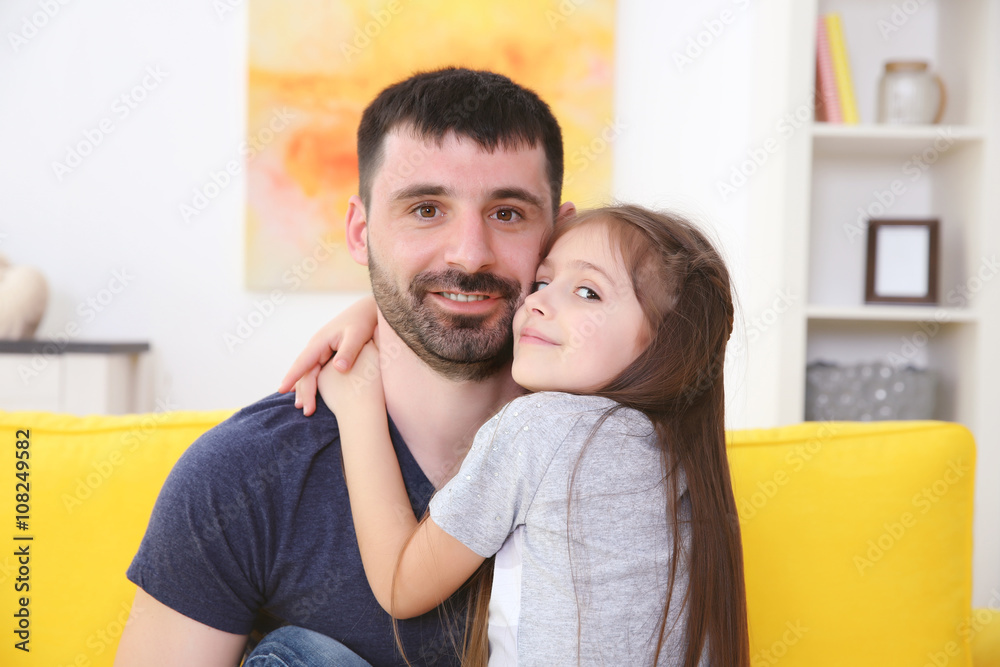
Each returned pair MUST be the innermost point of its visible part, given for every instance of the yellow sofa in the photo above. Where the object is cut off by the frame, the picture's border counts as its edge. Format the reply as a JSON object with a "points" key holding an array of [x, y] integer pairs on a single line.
{"points": [[858, 538]]}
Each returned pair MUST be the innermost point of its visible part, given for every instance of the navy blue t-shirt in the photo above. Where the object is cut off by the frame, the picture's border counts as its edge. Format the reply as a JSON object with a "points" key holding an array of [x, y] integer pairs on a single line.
{"points": [[255, 520]]}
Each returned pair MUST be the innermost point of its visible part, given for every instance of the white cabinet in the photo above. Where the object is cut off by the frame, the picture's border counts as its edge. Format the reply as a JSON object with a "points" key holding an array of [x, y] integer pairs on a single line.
{"points": [[77, 378]]}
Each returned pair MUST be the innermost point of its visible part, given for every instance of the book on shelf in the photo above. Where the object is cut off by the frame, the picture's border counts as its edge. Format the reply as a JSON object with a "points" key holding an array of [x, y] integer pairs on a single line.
{"points": [[841, 68], [827, 99]]}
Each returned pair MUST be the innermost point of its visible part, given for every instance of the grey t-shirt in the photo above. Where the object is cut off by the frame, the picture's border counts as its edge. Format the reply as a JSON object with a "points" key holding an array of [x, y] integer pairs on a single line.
{"points": [[599, 603]]}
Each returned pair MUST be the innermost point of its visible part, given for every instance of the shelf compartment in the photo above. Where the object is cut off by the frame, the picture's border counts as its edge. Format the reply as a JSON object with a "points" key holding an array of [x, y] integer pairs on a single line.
{"points": [[848, 190], [947, 348]]}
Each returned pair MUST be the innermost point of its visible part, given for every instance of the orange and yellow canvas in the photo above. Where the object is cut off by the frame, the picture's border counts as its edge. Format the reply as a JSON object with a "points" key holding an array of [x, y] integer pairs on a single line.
{"points": [[314, 66]]}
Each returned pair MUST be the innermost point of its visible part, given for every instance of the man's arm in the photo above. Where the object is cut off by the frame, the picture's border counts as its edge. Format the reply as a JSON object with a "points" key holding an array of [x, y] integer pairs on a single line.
{"points": [[157, 636]]}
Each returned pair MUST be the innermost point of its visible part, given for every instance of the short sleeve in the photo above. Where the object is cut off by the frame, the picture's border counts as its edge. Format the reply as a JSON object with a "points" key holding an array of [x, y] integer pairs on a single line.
{"points": [[198, 555], [511, 454]]}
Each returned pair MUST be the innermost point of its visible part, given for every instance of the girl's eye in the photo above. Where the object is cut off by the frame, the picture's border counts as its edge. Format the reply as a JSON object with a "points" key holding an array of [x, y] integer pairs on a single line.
{"points": [[537, 285], [507, 215], [427, 210], [587, 293]]}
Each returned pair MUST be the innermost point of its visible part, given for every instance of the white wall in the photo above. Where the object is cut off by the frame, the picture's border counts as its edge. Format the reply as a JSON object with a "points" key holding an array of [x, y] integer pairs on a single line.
{"points": [[119, 209], [684, 93]]}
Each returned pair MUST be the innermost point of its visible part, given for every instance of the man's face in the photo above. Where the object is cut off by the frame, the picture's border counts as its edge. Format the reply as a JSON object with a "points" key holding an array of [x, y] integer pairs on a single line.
{"points": [[453, 235]]}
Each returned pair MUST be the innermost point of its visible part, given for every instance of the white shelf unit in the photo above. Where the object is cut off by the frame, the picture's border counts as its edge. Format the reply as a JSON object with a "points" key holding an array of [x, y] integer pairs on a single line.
{"points": [[811, 210], [843, 175]]}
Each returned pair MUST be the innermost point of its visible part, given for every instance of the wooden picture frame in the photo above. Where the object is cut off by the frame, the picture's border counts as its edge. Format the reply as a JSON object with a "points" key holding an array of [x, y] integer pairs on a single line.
{"points": [[902, 261]]}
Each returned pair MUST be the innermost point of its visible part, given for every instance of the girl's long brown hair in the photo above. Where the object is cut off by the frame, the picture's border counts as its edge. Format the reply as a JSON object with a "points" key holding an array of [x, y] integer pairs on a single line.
{"points": [[683, 287]]}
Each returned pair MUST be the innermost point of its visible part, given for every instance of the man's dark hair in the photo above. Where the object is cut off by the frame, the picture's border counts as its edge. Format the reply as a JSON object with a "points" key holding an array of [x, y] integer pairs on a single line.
{"points": [[483, 106]]}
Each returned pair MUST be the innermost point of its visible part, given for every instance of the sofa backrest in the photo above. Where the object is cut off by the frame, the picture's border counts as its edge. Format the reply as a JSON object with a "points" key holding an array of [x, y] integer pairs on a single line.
{"points": [[857, 542], [93, 482], [857, 537]]}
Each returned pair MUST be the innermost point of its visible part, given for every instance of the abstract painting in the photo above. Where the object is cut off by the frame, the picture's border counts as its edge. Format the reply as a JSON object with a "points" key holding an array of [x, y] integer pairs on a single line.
{"points": [[315, 64]]}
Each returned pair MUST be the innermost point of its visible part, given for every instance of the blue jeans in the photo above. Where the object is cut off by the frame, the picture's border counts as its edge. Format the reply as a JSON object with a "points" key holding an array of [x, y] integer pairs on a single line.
{"points": [[297, 647]]}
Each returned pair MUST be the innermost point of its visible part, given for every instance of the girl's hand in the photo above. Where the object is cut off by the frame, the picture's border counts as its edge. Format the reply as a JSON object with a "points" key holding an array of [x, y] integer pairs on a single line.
{"points": [[341, 338], [357, 393]]}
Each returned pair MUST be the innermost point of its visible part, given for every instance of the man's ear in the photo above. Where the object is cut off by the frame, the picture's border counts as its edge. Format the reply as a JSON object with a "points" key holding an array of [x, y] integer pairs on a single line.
{"points": [[357, 230], [567, 210]]}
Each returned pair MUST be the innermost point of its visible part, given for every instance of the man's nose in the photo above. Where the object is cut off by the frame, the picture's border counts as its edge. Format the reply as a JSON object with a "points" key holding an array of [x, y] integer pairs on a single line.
{"points": [[470, 247]]}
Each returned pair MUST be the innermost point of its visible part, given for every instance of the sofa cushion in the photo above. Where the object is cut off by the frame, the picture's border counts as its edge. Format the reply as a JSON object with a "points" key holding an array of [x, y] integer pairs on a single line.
{"points": [[858, 541]]}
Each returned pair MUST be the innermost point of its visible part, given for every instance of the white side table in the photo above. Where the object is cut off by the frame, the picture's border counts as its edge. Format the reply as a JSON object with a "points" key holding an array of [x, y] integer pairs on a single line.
{"points": [[75, 377]]}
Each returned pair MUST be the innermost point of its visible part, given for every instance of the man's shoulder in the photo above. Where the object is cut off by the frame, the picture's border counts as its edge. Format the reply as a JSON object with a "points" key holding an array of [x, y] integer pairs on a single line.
{"points": [[266, 430]]}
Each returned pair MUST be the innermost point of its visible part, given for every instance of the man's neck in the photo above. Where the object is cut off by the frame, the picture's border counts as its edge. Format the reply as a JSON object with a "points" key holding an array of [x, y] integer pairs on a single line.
{"points": [[437, 417]]}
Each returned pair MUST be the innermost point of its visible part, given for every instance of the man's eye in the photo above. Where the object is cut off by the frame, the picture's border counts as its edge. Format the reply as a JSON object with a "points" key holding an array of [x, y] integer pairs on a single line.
{"points": [[537, 285], [507, 215], [587, 293], [427, 211]]}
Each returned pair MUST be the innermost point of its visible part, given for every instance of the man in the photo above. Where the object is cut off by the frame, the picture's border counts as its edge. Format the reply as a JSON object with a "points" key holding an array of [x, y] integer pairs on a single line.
{"points": [[461, 175]]}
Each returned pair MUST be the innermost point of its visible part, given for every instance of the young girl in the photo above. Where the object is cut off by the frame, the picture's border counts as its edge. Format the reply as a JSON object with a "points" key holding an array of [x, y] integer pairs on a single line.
{"points": [[605, 495]]}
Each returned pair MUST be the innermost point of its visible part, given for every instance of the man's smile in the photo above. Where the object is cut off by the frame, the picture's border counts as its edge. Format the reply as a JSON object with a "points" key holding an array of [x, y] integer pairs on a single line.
{"points": [[458, 296]]}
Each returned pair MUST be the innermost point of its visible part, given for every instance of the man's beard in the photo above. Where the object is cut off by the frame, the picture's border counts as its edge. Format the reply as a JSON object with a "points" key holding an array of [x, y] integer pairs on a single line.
{"points": [[459, 347]]}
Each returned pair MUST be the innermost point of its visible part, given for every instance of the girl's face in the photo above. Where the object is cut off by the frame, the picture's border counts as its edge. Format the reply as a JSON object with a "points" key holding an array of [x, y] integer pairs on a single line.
{"points": [[581, 325]]}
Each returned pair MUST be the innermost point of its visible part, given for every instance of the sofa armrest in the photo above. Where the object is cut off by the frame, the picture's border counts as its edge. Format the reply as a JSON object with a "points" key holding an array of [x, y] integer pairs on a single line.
{"points": [[985, 628]]}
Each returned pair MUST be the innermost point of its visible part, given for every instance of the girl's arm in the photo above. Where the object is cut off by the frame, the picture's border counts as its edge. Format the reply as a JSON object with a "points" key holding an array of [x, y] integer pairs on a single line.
{"points": [[433, 564], [340, 338]]}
